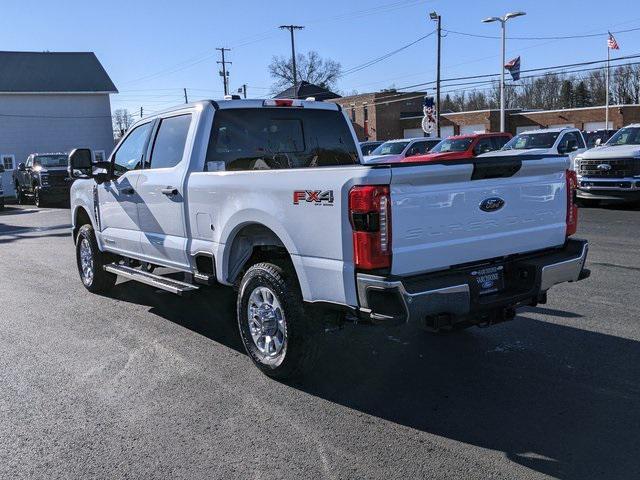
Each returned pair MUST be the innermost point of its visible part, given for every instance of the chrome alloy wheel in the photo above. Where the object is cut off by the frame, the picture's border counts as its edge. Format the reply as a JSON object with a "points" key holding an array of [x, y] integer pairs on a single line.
{"points": [[267, 324], [86, 262]]}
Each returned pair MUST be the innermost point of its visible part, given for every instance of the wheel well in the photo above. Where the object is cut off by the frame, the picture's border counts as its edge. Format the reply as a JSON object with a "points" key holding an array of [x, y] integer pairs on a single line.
{"points": [[254, 243], [81, 218]]}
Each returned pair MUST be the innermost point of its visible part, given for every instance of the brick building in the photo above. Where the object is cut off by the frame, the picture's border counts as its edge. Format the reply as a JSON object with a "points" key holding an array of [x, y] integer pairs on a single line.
{"points": [[389, 115]]}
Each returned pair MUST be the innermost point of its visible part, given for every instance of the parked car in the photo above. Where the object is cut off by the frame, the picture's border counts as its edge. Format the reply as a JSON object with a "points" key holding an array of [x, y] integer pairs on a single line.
{"points": [[595, 138], [549, 141], [1, 189], [43, 178], [612, 171], [367, 147], [396, 150], [271, 197], [459, 147]]}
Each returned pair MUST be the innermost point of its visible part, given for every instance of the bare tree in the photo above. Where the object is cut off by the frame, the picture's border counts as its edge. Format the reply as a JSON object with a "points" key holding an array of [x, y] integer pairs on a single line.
{"points": [[122, 120], [311, 67], [625, 84], [596, 84]]}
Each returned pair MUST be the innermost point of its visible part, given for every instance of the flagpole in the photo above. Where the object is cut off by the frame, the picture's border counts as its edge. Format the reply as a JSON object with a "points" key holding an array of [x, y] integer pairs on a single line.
{"points": [[606, 107]]}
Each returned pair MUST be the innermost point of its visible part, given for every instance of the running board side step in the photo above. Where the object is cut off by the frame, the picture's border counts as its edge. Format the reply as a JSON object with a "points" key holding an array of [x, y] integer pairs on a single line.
{"points": [[157, 281]]}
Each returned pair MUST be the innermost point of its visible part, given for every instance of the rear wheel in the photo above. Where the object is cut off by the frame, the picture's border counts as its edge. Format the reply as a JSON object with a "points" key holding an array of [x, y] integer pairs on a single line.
{"points": [[277, 333], [91, 262]]}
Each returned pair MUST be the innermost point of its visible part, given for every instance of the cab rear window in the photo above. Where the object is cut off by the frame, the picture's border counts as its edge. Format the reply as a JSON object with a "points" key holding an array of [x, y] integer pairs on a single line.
{"points": [[276, 138]]}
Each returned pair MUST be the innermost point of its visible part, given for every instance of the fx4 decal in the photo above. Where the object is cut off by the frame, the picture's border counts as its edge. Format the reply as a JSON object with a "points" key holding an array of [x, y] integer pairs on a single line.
{"points": [[317, 197]]}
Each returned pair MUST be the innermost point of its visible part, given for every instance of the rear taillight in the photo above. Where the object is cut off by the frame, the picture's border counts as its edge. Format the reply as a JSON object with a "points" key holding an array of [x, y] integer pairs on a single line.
{"points": [[572, 208], [370, 215]]}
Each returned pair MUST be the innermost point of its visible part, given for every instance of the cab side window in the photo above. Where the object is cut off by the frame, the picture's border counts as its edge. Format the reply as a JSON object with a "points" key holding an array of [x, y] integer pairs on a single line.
{"points": [[499, 142], [484, 145], [418, 148], [130, 153], [168, 146]]}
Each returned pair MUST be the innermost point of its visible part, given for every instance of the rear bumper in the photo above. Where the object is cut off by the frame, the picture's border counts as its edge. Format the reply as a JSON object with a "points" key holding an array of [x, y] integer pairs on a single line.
{"points": [[453, 297]]}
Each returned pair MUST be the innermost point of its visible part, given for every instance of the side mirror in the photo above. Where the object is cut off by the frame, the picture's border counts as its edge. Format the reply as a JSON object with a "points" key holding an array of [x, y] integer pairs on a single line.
{"points": [[562, 149], [80, 163], [21, 167]]}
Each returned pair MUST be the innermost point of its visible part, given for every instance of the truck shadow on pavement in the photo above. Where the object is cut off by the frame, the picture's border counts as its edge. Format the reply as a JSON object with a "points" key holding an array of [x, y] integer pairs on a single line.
{"points": [[561, 401]]}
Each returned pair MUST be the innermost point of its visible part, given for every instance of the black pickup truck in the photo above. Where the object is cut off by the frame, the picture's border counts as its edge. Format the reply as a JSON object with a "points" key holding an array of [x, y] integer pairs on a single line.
{"points": [[43, 178]]}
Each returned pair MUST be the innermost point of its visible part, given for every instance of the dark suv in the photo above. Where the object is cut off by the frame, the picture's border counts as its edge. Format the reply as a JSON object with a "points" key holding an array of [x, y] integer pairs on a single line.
{"points": [[43, 178]]}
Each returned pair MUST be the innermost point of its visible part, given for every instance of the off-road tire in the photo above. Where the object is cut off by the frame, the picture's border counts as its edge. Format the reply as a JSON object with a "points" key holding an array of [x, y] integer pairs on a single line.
{"points": [[302, 327], [102, 281]]}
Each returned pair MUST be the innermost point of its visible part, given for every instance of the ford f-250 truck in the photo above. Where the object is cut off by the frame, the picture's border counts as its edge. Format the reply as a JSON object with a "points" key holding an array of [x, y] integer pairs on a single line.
{"points": [[271, 197], [611, 171]]}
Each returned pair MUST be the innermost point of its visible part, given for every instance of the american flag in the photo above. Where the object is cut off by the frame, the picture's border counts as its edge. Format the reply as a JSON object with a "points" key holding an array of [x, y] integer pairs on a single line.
{"points": [[611, 43]]}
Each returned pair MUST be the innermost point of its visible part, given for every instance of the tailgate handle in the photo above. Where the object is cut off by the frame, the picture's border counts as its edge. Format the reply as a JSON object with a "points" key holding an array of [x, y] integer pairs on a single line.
{"points": [[169, 191]]}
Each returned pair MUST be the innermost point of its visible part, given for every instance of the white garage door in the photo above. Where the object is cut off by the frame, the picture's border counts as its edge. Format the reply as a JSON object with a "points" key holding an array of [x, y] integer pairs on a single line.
{"points": [[526, 128], [589, 126], [446, 131], [562, 125], [476, 128], [413, 133]]}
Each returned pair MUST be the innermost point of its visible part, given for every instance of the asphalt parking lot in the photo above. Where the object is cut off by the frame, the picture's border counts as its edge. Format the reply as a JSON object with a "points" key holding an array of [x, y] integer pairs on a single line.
{"points": [[142, 384]]}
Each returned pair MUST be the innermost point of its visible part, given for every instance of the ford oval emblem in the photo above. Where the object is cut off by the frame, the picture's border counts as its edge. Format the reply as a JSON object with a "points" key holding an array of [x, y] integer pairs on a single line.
{"points": [[492, 204], [604, 167]]}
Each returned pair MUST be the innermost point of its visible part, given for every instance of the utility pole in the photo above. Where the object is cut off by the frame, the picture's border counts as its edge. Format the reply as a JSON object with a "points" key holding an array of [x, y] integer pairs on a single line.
{"points": [[141, 112], [244, 90], [291, 29], [438, 19], [186, 99], [224, 74]]}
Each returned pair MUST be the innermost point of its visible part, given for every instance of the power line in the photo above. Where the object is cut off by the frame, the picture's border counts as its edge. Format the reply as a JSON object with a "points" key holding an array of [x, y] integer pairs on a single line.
{"points": [[372, 62], [559, 37], [593, 62]]}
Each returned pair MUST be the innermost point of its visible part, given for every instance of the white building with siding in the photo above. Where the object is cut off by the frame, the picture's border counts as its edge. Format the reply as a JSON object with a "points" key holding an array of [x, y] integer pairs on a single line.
{"points": [[52, 102]]}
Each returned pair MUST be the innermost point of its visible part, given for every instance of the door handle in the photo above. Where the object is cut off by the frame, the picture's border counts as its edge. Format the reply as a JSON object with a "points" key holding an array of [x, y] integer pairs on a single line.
{"points": [[127, 190], [169, 191]]}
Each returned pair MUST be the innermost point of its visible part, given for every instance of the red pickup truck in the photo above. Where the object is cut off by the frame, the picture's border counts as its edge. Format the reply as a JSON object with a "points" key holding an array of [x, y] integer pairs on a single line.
{"points": [[459, 147]]}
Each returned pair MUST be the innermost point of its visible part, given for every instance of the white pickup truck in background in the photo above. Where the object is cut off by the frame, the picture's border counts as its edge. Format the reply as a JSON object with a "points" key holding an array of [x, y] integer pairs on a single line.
{"points": [[271, 197]]}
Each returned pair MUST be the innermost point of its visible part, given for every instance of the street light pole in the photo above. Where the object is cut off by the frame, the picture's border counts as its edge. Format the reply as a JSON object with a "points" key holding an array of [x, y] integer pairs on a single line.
{"points": [[504, 44], [438, 19], [503, 22]]}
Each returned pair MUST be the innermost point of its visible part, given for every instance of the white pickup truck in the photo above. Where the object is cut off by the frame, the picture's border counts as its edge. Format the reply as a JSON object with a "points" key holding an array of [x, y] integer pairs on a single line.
{"points": [[271, 197]]}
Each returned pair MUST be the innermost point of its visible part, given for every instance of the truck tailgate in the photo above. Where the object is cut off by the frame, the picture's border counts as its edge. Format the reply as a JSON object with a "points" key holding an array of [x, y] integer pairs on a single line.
{"points": [[438, 222]]}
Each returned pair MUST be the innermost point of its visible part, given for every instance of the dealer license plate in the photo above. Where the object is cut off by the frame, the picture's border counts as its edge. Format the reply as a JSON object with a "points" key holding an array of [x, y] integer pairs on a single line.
{"points": [[489, 279]]}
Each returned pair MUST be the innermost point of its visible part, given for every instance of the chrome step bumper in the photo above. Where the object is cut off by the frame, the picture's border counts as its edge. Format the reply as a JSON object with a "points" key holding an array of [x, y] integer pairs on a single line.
{"points": [[452, 293]]}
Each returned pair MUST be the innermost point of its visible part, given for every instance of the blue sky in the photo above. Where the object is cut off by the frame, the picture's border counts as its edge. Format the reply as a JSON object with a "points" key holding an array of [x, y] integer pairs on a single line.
{"points": [[152, 49]]}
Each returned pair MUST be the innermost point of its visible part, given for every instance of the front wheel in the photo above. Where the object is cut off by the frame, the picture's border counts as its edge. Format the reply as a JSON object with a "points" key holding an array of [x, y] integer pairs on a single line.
{"points": [[278, 336], [91, 262], [38, 198]]}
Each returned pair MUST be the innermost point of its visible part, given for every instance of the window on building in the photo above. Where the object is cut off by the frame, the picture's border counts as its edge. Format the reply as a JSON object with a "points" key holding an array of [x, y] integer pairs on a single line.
{"points": [[365, 113], [8, 162], [168, 147], [131, 151]]}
